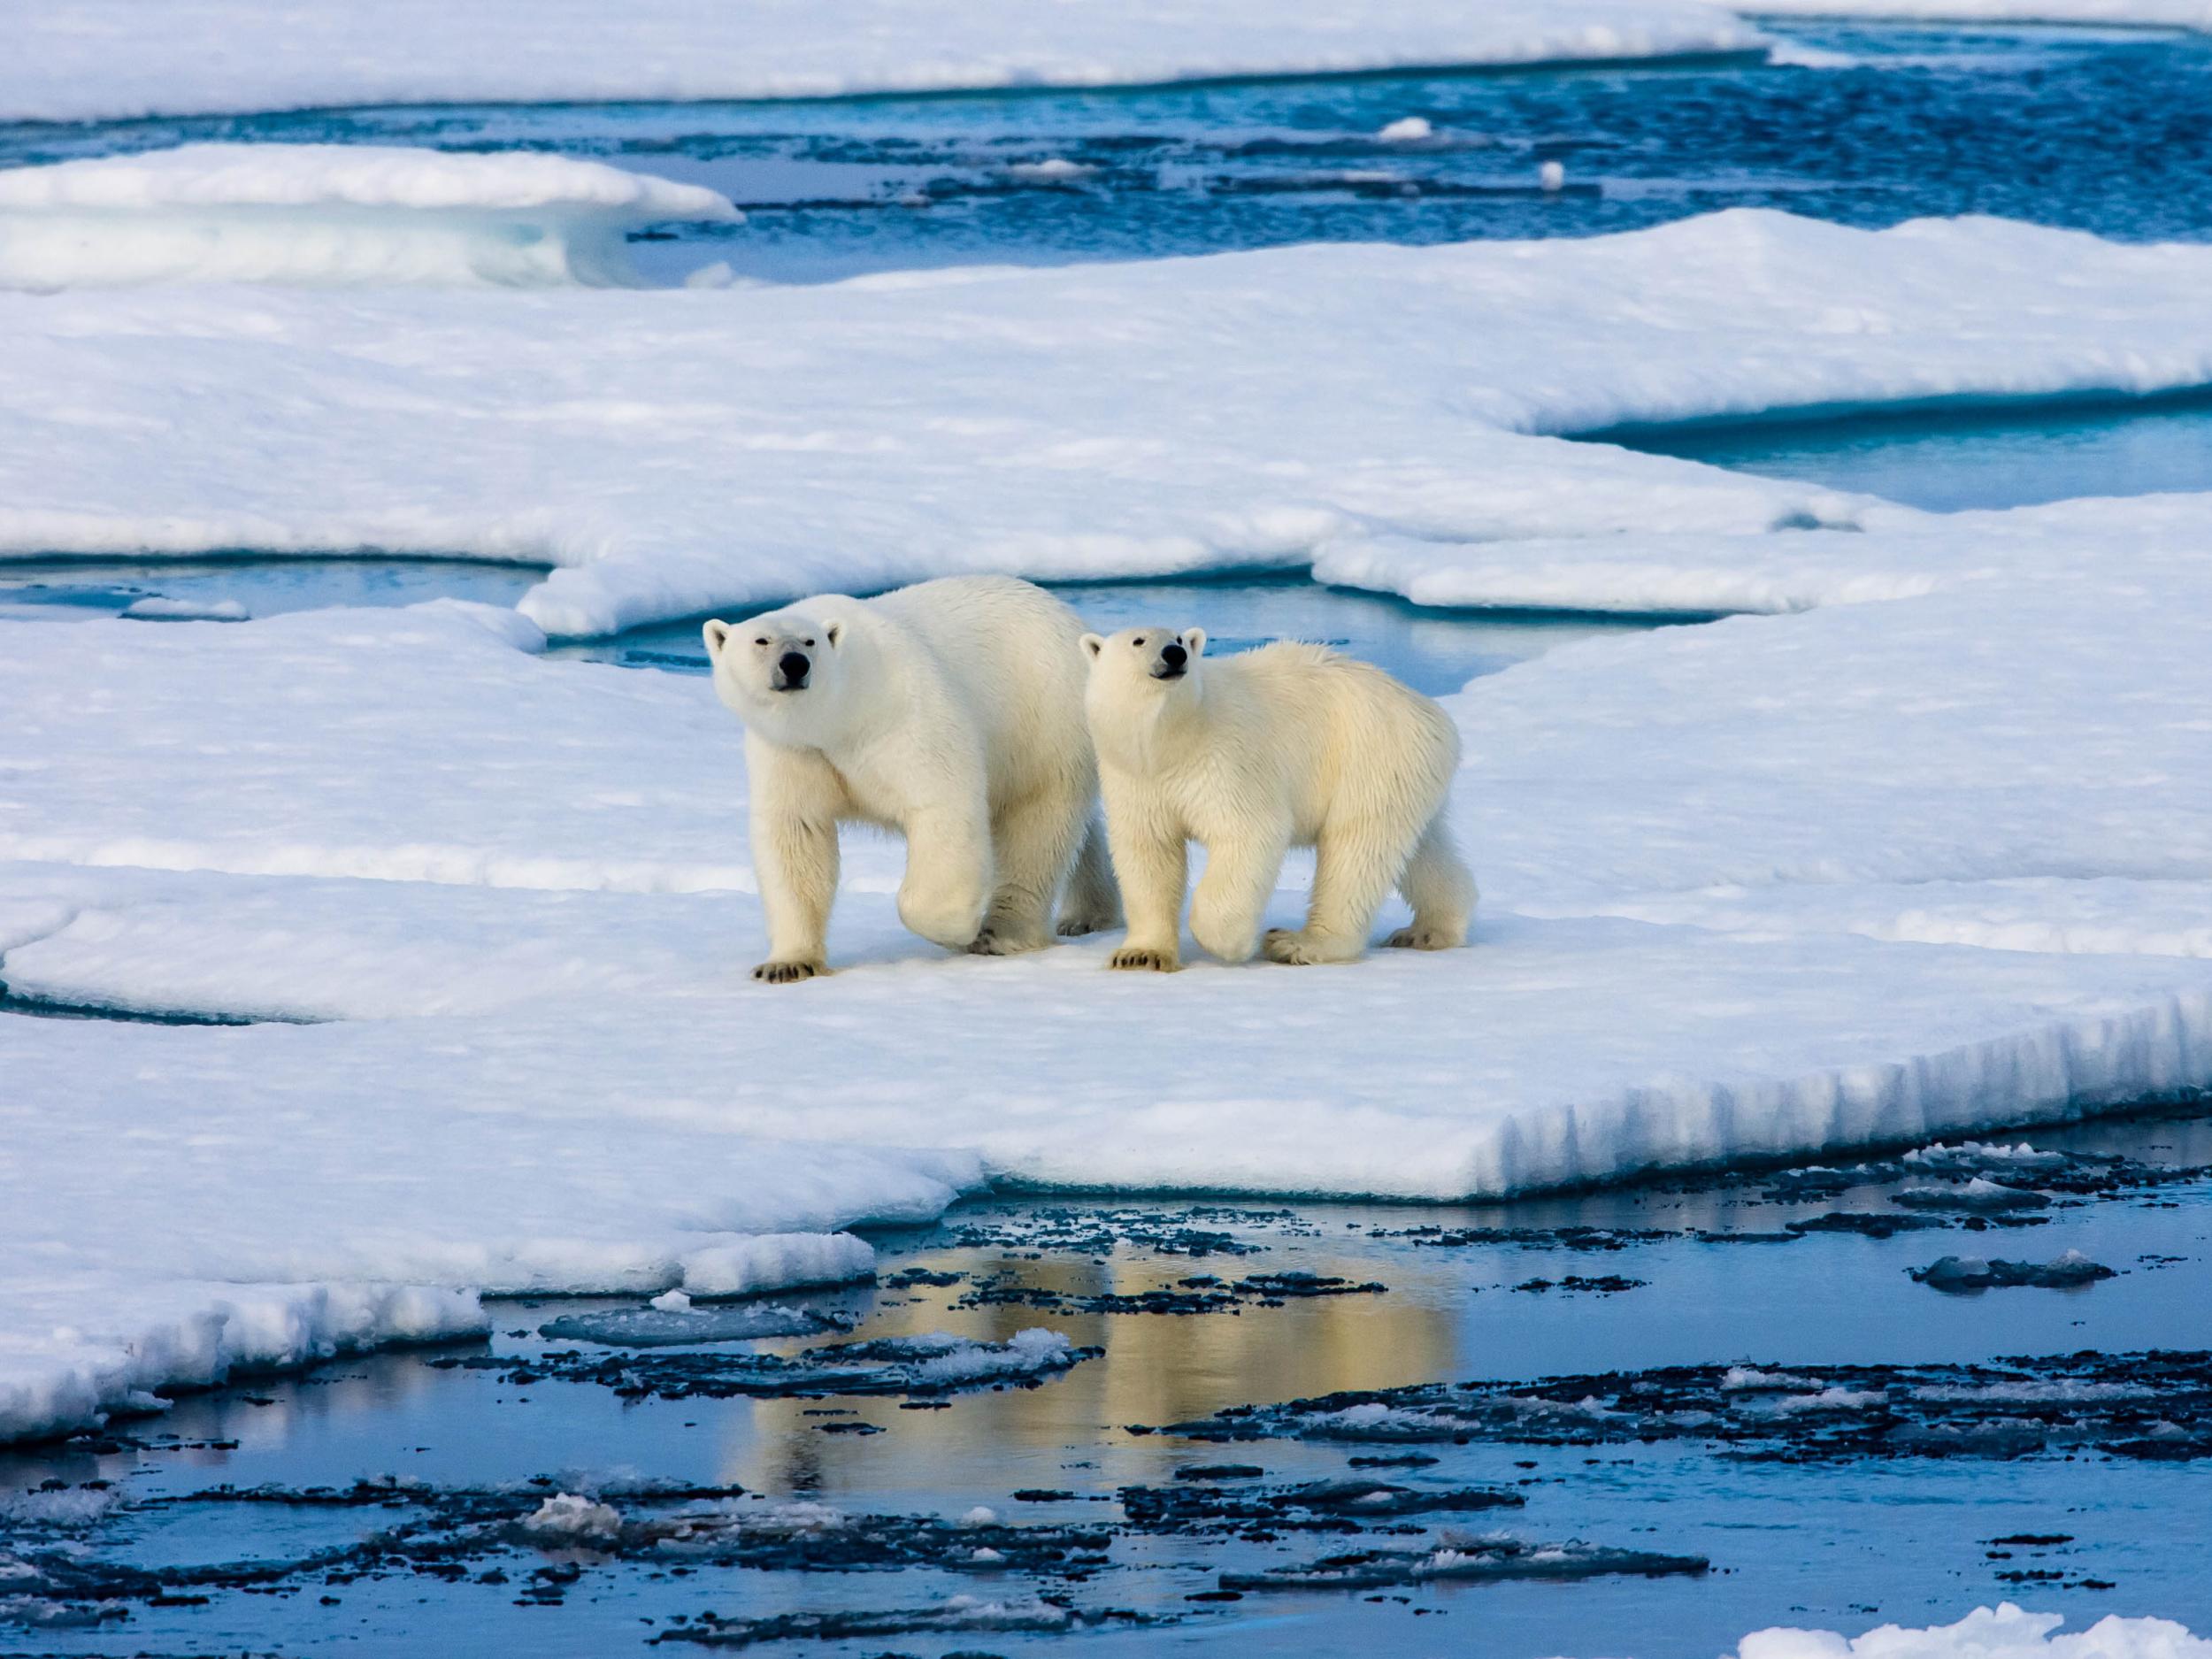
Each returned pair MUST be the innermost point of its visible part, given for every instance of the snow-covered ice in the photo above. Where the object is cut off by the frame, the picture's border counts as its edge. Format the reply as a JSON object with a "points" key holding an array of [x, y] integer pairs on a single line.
{"points": [[110, 58], [2004, 1631], [331, 214], [1925, 855], [1365, 406]]}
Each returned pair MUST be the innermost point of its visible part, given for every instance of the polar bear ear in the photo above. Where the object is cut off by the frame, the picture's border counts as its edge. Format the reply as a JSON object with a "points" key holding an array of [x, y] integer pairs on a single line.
{"points": [[1194, 641], [833, 633], [1094, 643], [716, 634]]}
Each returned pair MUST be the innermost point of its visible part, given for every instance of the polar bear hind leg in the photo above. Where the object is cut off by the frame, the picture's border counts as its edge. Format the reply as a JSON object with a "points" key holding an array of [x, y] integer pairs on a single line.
{"points": [[1092, 903], [1034, 841], [1442, 890], [1356, 864]]}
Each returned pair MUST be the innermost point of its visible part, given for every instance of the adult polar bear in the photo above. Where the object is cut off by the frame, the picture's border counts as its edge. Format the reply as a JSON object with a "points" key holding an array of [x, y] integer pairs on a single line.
{"points": [[951, 712], [1286, 746]]}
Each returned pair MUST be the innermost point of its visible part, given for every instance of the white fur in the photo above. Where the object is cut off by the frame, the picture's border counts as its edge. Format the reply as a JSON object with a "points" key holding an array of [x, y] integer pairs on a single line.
{"points": [[951, 711], [1286, 746]]}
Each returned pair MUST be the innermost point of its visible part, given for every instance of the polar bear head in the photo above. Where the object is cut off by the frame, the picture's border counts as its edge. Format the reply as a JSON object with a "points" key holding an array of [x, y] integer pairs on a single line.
{"points": [[784, 672], [1146, 661]]}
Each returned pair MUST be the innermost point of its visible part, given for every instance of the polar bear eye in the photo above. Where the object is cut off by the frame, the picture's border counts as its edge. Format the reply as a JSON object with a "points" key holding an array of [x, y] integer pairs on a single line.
{"points": [[1138, 640], [760, 641], [809, 644]]}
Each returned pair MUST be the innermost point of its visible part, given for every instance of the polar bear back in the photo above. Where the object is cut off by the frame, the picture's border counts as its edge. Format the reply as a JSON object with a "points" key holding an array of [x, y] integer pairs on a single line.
{"points": [[1330, 736], [1011, 654]]}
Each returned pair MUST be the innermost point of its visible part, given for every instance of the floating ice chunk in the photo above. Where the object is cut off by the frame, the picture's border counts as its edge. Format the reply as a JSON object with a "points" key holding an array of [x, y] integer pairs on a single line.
{"points": [[2001, 1632], [570, 1518], [1406, 130], [331, 214], [960, 1360], [71, 1506], [2064, 1271], [1743, 1379], [718, 275], [777, 1261], [1974, 1156], [685, 1327], [1978, 1196], [1552, 175], [104, 58], [154, 608], [982, 1515], [671, 1302], [1056, 170]]}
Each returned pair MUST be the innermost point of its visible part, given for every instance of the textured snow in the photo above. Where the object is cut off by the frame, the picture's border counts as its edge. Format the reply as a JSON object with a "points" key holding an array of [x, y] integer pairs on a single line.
{"points": [[2004, 1631], [331, 214], [1923, 854], [777, 1261], [107, 59], [1377, 409]]}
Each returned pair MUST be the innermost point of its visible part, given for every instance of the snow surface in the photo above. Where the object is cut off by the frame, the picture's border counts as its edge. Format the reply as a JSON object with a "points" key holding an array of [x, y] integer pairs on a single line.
{"points": [[1927, 854], [331, 214], [97, 60], [2004, 1631], [1373, 408]]}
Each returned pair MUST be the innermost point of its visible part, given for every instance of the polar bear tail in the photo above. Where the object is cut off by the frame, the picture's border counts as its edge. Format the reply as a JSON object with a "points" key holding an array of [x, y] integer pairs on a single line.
{"points": [[1093, 902]]}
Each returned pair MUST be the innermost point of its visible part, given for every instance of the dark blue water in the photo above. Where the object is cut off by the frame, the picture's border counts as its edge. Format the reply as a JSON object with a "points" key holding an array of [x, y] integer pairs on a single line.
{"points": [[2108, 131], [1946, 462], [1843, 1542], [1435, 652]]}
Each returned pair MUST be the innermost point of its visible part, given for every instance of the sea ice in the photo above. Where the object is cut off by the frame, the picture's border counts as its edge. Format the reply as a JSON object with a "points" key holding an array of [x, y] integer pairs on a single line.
{"points": [[1379, 410], [2064, 1271], [2004, 1631], [330, 214], [1774, 885], [109, 59]]}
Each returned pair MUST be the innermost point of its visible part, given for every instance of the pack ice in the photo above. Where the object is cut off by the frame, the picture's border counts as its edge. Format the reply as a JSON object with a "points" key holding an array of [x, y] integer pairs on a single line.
{"points": [[331, 213], [113, 59], [1923, 853]]}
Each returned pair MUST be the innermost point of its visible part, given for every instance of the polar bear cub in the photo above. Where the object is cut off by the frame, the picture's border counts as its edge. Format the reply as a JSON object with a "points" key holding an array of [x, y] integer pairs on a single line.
{"points": [[1251, 755], [951, 711]]}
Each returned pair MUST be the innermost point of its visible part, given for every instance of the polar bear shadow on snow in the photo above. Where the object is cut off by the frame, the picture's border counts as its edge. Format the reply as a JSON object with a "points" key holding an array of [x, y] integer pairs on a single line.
{"points": [[1289, 745], [951, 713]]}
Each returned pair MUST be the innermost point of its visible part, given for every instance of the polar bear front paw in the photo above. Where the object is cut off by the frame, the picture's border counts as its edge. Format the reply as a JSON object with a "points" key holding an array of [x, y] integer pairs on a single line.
{"points": [[1138, 959], [788, 972]]}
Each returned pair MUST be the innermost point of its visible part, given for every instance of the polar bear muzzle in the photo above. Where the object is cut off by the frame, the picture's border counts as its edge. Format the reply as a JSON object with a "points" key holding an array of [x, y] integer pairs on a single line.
{"points": [[791, 671]]}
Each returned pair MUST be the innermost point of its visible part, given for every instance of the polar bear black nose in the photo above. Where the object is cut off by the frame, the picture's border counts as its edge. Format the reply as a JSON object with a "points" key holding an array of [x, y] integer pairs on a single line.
{"points": [[793, 666], [1174, 656]]}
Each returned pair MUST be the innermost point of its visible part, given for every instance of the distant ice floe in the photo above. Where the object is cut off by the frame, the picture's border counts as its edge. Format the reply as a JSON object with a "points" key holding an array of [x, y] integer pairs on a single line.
{"points": [[2004, 1631], [331, 214], [1385, 412], [100, 59]]}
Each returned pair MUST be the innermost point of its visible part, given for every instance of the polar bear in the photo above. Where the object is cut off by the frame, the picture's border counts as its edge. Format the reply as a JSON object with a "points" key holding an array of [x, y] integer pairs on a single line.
{"points": [[1250, 755], [951, 712]]}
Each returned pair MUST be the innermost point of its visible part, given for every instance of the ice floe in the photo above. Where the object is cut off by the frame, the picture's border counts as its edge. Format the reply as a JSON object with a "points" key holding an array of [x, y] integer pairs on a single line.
{"points": [[2004, 1631], [108, 59], [1380, 410], [1925, 864], [331, 214]]}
